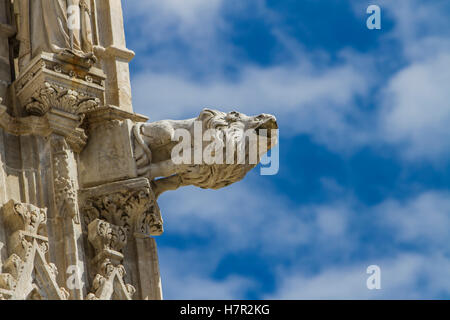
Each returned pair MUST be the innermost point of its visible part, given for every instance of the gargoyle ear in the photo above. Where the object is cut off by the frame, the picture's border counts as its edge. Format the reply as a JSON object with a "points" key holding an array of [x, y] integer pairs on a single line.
{"points": [[206, 114]]}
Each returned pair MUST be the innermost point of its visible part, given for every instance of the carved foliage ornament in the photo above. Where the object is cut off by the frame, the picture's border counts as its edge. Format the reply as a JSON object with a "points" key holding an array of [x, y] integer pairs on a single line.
{"points": [[58, 97], [135, 210], [65, 191], [113, 212], [108, 241], [24, 217], [105, 236]]}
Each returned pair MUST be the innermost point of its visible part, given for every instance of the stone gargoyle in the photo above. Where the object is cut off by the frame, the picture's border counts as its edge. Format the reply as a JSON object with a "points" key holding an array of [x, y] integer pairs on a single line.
{"points": [[155, 143]]}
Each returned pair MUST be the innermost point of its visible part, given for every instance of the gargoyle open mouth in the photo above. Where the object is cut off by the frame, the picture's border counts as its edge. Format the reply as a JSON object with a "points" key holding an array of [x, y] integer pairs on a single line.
{"points": [[268, 125]]}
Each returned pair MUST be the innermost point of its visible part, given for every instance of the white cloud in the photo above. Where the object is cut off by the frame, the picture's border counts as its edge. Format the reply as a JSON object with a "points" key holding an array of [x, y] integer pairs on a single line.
{"points": [[282, 89], [422, 27], [304, 98], [256, 217], [182, 287], [187, 275], [407, 276], [308, 95], [187, 18], [416, 109], [250, 220], [176, 32], [332, 221], [421, 220]]}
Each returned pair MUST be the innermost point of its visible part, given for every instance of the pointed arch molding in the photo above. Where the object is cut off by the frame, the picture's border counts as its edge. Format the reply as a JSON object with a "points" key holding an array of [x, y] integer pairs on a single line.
{"points": [[27, 274]]}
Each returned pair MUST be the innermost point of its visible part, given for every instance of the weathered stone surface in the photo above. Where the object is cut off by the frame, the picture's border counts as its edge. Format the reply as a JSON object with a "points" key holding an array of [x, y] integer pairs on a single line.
{"points": [[6, 31], [26, 274], [46, 26], [114, 161]]}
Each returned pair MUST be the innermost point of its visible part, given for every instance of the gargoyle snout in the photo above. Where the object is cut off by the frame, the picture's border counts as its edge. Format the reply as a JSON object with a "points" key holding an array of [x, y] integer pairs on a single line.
{"points": [[269, 122]]}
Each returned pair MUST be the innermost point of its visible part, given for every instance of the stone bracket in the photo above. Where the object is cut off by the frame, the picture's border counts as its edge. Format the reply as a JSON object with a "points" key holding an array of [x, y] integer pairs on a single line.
{"points": [[55, 121], [109, 112]]}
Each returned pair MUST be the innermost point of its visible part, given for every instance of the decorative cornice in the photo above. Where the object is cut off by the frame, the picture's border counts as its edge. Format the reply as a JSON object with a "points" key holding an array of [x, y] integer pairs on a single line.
{"points": [[56, 95], [50, 82], [109, 112], [51, 67]]}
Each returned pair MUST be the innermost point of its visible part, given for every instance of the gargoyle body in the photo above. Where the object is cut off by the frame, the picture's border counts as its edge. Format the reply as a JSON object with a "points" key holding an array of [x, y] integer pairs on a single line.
{"points": [[155, 143]]}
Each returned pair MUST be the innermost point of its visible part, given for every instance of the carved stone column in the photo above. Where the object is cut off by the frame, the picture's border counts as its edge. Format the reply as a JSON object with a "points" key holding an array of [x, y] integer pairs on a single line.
{"points": [[6, 31], [112, 192], [148, 266], [114, 54], [131, 205], [65, 220], [56, 94]]}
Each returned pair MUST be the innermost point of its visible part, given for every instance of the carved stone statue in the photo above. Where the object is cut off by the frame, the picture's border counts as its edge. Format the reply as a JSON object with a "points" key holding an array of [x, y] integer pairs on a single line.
{"points": [[155, 143], [54, 26]]}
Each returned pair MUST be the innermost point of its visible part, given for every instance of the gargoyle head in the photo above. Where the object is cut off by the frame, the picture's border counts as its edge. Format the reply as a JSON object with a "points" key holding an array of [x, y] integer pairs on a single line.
{"points": [[234, 124], [213, 119]]}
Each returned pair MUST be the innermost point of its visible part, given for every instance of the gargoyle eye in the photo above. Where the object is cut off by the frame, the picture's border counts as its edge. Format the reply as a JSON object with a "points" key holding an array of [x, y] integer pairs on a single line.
{"points": [[232, 116]]}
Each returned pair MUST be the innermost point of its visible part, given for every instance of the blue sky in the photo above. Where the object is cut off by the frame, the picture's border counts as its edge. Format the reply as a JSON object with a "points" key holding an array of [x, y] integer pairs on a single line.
{"points": [[364, 120]]}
